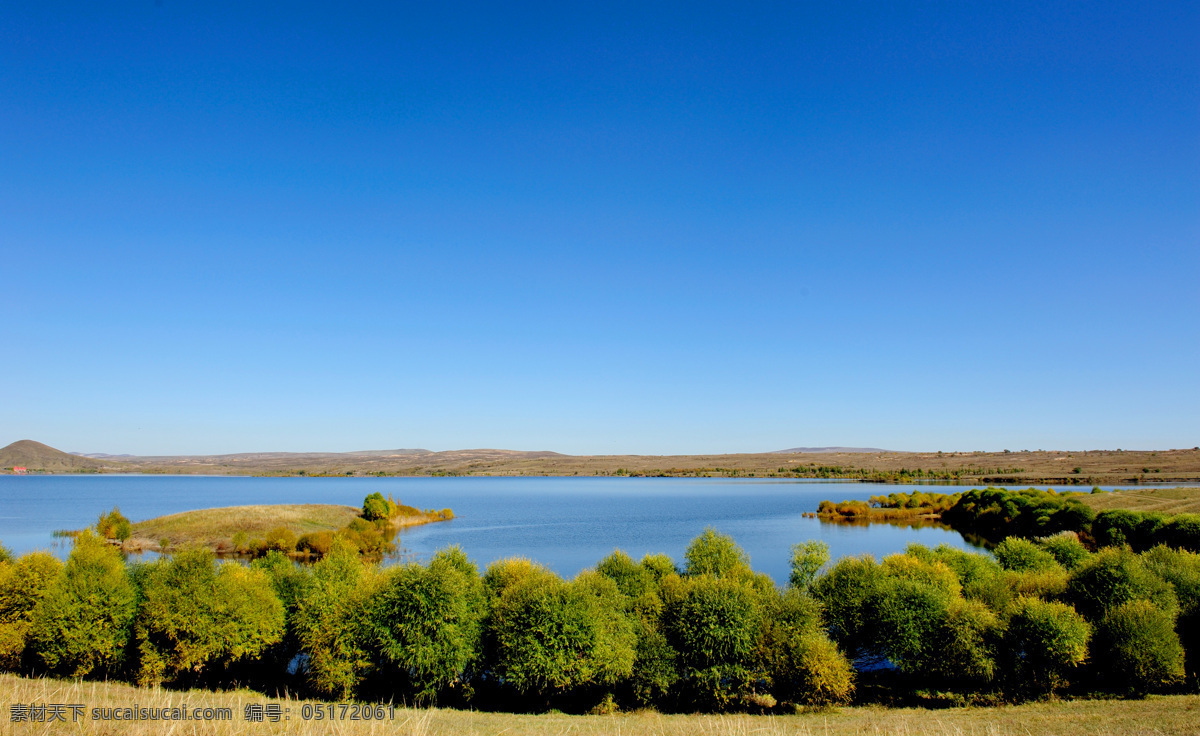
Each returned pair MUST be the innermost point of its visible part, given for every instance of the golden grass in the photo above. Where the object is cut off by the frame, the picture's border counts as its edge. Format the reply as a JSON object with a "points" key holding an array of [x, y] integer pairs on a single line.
{"points": [[211, 527], [1176, 714], [1169, 500]]}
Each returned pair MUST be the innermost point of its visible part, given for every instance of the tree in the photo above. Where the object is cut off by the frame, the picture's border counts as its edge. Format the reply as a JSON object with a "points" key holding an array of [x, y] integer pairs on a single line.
{"points": [[23, 584], [713, 553], [1044, 643], [428, 621], [82, 624], [807, 560], [196, 617]]}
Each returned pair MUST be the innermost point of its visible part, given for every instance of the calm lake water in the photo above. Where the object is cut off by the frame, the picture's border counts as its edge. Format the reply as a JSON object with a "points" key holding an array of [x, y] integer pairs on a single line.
{"points": [[567, 524]]}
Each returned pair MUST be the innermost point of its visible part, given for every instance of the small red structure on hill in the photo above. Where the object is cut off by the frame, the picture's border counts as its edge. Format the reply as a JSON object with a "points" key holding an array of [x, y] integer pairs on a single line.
{"points": [[20, 470]]}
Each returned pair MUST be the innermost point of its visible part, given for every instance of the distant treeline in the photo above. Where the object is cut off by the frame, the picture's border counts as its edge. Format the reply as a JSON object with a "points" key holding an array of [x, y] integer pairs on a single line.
{"points": [[710, 634], [997, 513]]}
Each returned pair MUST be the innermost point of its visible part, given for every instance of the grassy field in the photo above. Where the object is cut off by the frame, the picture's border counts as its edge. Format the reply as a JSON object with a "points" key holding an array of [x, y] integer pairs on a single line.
{"points": [[1176, 714], [1169, 500], [213, 527]]}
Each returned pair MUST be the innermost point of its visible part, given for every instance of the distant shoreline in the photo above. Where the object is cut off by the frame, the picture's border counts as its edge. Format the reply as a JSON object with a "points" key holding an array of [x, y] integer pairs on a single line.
{"points": [[1082, 468]]}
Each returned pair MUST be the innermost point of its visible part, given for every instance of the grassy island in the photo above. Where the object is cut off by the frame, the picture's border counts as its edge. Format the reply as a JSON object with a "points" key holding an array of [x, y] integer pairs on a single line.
{"points": [[306, 530]]}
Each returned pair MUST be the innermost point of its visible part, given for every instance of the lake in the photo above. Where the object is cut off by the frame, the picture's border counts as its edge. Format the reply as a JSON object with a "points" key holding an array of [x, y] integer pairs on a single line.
{"points": [[567, 524]]}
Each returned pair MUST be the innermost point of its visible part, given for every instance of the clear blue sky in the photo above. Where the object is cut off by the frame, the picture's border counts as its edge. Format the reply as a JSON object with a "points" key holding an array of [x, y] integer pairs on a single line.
{"points": [[599, 228]]}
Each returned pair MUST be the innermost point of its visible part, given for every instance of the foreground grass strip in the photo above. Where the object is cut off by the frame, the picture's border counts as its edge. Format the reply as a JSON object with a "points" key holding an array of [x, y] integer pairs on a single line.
{"points": [[1176, 714]]}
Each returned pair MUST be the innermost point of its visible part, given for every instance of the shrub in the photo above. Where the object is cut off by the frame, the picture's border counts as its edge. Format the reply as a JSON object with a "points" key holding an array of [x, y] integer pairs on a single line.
{"points": [[659, 566], [1114, 576], [906, 616], [114, 525], [714, 625], [23, 584], [713, 553], [967, 642], [807, 560], [315, 543], [1022, 555], [809, 670], [195, 617], [376, 507], [546, 636], [333, 622], [632, 579], [844, 592], [1044, 643], [280, 539], [1138, 647], [1066, 549], [427, 622], [1045, 584], [82, 624]]}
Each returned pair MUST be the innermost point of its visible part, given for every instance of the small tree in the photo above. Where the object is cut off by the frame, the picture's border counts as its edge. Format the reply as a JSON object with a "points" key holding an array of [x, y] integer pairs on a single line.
{"points": [[807, 560], [713, 553], [1138, 647], [195, 617], [23, 584], [1022, 555], [82, 624], [1044, 643]]}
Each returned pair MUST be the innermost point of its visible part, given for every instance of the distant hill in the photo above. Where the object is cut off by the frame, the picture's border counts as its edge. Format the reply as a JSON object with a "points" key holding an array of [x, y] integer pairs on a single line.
{"points": [[36, 456], [827, 450]]}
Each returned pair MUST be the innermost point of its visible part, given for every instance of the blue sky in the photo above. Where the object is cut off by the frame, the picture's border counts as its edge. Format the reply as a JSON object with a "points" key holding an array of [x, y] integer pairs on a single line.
{"points": [[621, 228]]}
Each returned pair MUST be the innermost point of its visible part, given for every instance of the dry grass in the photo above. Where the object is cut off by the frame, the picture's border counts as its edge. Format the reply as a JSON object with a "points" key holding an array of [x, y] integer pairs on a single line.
{"points": [[1109, 467], [1177, 714], [212, 527], [1169, 500]]}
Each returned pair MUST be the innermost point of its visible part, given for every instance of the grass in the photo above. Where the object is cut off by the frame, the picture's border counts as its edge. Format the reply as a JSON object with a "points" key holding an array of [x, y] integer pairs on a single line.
{"points": [[1168, 500], [1174, 714], [216, 527]]}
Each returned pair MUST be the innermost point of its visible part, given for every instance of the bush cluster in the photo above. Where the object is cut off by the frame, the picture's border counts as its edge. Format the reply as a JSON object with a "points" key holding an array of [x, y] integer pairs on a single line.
{"points": [[710, 635], [1145, 529]]}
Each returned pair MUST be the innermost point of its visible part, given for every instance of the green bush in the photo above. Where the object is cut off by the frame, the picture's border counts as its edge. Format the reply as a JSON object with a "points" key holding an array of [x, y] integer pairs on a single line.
{"points": [[376, 507], [546, 636], [1066, 549], [1182, 570], [844, 593], [632, 579], [1114, 576], [714, 625], [427, 621], [1022, 555], [808, 669], [114, 525], [197, 617], [906, 617], [807, 560], [332, 622], [1137, 647], [23, 584], [713, 553], [967, 642], [1045, 642], [82, 624]]}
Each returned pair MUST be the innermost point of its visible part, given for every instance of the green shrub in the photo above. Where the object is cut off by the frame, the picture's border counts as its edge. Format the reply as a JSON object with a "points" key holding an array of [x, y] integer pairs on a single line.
{"points": [[1114, 576], [714, 625], [114, 525], [967, 642], [1066, 549], [197, 616], [807, 560], [333, 622], [546, 636], [1137, 647], [23, 584], [713, 553], [808, 669], [376, 507], [1045, 584], [1182, 570], [82, 624], [906, 617], [427, 622], [844, 592], [1022, 555], [1045, 642], [659, 566], [632, 579]]}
